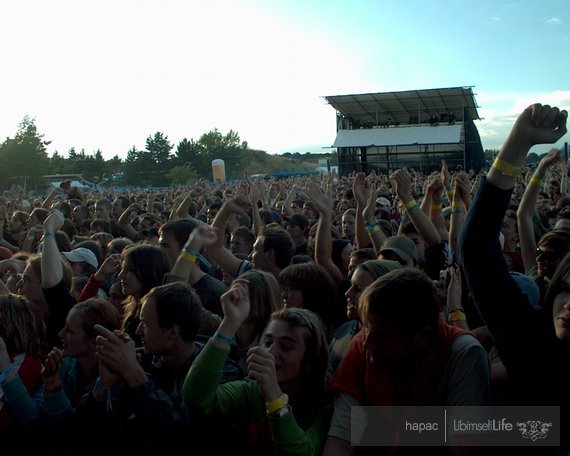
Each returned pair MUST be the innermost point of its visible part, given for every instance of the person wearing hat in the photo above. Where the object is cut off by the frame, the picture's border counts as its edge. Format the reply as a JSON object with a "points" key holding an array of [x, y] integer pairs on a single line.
{"points": [[401, 249], [298, 227], [83, 261]]}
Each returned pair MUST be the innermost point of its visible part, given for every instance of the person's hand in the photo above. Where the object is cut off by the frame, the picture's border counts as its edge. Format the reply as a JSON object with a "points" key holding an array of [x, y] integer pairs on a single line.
{"points": [[116, 350], [463, 188], [54, 221], [369, 210], [540, 124], [361, 189], [235, 302], [50, 370], [254, 195], [403, 183], [454, 287], [202, 236], [434, 184], [322, 202], [445, 175], [261, 367], [239, 205], [111, 264], [551, 158]]}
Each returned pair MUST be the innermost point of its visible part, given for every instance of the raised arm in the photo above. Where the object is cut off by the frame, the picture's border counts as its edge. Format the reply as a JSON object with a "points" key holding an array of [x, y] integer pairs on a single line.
{"points": [[323, 242], [461, 201], [361, 190], [52, 269], [125, 221], [217, 251], [419, 218], [493, 288], [527, 207]]}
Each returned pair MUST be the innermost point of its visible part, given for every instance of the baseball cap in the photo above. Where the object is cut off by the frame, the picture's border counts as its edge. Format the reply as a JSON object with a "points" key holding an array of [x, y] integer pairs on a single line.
{"points": [[528, 287], [383, 201], [300, 220], [402, 246], [82, 254]]}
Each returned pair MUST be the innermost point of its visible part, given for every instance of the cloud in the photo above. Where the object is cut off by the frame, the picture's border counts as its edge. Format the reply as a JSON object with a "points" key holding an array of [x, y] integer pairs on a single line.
{"points": [[554, 20], [500, 110]]}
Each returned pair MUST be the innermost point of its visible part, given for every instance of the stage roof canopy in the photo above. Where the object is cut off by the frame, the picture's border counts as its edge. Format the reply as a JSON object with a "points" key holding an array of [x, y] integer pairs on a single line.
{"points": [[407, 107]]}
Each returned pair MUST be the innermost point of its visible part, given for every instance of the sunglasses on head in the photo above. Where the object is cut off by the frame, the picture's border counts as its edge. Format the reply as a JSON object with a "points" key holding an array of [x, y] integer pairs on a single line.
{"points": [[546, 255]]}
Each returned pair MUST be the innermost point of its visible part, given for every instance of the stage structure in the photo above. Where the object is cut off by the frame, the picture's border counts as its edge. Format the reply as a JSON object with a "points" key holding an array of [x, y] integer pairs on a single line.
{"points": [[414, 128]]}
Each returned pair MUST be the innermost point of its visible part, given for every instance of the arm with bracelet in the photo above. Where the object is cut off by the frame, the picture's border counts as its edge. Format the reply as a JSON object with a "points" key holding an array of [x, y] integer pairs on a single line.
{"points": [[528, 206], [458, 210], [435, 191], [201, 386], [371, 225], [419, 218], [362, 192], [186, 266], [455, 311]]}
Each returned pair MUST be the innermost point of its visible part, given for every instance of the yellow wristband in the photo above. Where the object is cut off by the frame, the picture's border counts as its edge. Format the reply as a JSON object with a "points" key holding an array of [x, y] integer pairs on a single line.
{"points": [[188, 257], [536, 181], [506, 168], [436, 206], [410, 204], [277, 404], [457, 315]]}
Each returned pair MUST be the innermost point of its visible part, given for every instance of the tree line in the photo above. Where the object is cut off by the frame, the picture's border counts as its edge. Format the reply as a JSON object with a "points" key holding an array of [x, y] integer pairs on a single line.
{"points": [[24, 160]]}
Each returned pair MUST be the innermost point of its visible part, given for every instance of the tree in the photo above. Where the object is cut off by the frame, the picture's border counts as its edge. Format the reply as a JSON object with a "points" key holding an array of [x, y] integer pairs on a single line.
{"points": [[190, 152], [23, 159], [182, 175], [228, 148]]}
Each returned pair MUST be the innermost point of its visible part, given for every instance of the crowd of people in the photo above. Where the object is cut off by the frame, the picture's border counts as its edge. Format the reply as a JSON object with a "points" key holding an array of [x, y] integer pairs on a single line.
{"points": [[255, 316]]}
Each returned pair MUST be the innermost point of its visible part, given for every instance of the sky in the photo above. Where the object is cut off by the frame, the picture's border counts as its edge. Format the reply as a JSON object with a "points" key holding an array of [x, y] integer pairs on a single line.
{"points": [[108, 74]]}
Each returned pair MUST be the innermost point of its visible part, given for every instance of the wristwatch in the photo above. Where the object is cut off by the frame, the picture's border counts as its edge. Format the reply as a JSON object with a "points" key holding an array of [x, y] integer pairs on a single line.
{"points": [[281, 412]]}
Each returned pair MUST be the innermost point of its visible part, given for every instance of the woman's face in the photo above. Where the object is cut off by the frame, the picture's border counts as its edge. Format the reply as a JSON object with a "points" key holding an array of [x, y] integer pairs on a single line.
{"points": [[130, 283], [30, 285], [561, 310], [292, 297], [358, 282], [287, 345], [74, 340], [547, 260], [345, 257], [16, 225]]}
